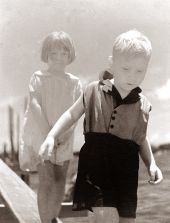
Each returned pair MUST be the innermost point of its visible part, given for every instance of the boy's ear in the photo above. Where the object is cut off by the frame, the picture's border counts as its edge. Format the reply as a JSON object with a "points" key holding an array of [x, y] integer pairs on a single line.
{"points": [[110, 59], [110, 66]]}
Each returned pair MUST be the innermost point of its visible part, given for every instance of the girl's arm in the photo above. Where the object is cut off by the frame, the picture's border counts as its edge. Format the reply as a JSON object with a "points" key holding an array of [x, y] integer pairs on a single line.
{"points": [[69, 118], [149, 161]]}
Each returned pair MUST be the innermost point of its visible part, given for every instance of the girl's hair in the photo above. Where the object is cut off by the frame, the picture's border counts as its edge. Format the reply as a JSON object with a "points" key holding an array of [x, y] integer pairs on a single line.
{"points": [[133, 42], [60, 39]]}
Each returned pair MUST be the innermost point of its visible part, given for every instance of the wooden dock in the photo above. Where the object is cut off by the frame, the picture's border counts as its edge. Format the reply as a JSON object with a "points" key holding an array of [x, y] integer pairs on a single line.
{"points": [[75, 220], [20, 201], [6, 216]]}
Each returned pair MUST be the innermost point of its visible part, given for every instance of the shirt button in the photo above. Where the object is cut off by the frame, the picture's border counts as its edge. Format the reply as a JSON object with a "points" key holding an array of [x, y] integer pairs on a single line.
{"points": [[111, 126], [113, 118], [115, 112]]}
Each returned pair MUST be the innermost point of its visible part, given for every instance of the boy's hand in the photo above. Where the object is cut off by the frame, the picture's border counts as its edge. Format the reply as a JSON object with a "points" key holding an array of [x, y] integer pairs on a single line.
{"points": [[155, 175], [46, 149]]}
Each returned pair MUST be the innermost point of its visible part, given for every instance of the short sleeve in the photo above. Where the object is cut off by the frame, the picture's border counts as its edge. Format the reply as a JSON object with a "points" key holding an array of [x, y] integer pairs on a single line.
{"points": [[146, 106], [140, 132], [35, 88], [78, 90], [91, 105], [87, 93]]}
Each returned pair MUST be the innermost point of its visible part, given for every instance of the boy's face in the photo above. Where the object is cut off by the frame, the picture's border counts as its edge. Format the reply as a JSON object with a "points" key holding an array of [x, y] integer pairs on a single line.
{"points": [[58, 57], [129, 71]]}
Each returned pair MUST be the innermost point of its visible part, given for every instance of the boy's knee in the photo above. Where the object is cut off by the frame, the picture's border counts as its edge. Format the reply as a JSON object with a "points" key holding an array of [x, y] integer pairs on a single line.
{"points": [[106, 214], [126, 220]]}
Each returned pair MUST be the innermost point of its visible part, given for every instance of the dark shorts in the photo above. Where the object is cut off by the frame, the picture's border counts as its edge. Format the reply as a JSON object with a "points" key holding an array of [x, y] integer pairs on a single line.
{"points": [[107, 174]]}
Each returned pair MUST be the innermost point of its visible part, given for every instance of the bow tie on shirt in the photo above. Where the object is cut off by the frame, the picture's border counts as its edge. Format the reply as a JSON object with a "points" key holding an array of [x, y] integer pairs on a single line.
{"points": [[131, 98]]}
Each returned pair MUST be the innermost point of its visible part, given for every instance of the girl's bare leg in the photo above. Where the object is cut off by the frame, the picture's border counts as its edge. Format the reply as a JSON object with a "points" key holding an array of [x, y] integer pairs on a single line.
{"points": [[51, 190]]}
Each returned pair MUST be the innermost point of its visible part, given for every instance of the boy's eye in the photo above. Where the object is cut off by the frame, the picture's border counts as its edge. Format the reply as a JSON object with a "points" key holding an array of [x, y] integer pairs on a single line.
{"points": [[139, 71]]}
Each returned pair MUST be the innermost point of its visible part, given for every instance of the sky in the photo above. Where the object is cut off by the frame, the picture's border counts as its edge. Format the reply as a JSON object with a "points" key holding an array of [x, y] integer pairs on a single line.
{"points": [[93, 25]]}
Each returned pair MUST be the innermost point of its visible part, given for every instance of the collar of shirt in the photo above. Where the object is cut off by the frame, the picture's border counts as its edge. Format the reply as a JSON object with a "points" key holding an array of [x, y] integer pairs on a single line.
{"points": [[131, 98]]}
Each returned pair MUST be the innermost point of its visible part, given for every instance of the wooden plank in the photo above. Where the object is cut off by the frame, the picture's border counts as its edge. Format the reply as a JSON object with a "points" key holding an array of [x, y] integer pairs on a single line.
{"points": [[22, 201], [20, 198], [66, 211], [6, 216], [81, 219], [76, 220]]}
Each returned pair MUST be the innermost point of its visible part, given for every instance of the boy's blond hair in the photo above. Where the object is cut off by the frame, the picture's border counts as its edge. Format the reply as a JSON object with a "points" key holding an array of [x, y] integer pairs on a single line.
{"points": [[60, 39], [132, 42]]}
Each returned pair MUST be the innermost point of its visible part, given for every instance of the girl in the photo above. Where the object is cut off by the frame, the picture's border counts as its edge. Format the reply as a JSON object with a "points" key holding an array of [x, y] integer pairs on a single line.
{"points": [[52, 92], [115, 127]]}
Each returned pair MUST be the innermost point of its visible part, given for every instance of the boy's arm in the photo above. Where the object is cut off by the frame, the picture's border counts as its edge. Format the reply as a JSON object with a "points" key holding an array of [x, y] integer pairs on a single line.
{"points": [[69, 118], [67, 134], [149, 161]]}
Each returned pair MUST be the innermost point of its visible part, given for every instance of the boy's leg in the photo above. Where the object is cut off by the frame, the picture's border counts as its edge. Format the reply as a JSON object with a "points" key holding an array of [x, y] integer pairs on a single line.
{"points": [[51, 189], [109, 215], [126, 220], [105, 214]]}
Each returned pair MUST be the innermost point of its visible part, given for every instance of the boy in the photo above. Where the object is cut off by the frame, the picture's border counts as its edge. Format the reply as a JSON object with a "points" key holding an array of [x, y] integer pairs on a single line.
{"points": [[115, 131]]}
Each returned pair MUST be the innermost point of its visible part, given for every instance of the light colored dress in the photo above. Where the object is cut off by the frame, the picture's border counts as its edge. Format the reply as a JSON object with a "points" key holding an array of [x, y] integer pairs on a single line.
{"points": [[54, 94]]}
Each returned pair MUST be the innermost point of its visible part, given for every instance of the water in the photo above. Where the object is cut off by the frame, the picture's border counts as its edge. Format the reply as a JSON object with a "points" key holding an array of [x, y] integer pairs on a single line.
{"points": [[154, 201]]}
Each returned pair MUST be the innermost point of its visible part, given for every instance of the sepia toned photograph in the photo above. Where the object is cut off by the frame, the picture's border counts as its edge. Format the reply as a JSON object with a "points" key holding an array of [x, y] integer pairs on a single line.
{"points": [[84, 111]]}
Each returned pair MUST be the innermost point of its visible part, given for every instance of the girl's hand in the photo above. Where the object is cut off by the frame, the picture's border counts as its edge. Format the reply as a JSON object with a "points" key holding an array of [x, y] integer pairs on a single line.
{"points": [[155, 174], [46, 149]]}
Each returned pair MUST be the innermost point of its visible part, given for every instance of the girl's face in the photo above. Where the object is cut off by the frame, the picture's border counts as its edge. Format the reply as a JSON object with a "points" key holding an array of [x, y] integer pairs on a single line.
{"points": [[129, 71], [58, 57]]}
